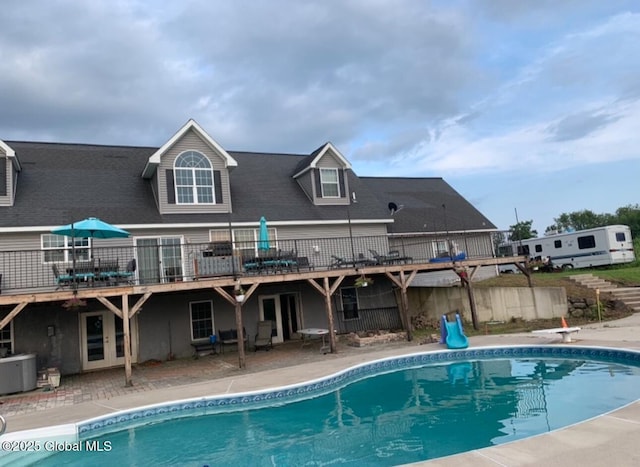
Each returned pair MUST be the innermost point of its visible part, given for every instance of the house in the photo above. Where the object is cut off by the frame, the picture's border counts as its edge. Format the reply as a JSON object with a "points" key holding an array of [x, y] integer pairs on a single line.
{"points": [[193, 210]]}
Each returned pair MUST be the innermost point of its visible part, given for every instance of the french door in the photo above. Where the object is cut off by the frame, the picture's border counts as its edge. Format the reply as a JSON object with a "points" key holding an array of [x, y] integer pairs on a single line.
{"points": [[159, 259], [102, 340], [283, 312]]}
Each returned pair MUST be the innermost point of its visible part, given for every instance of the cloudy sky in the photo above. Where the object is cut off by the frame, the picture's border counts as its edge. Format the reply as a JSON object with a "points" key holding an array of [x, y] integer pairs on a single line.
{"points": [[530, 106]]}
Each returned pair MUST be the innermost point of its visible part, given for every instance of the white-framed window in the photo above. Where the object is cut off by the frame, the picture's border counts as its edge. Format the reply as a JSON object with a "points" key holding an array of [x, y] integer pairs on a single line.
{"points": [[440, 248], [329, 183], [193, 177], [6, 337], [219, 235], [349, 298], [247, 239], [58, 248], [201, 320]]}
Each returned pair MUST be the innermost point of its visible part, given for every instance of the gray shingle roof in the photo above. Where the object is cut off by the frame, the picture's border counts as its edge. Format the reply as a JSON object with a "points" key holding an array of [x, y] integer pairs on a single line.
{"points": [[422, 201], [61, 183]]}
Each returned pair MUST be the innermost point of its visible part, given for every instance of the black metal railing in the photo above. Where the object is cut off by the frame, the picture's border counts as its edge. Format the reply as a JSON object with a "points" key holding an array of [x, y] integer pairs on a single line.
{"points": [[156, 262], [368, 319]]}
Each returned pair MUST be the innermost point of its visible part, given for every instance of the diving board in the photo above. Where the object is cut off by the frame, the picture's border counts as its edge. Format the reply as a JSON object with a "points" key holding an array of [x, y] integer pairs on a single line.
{"points": [[566, 332]]}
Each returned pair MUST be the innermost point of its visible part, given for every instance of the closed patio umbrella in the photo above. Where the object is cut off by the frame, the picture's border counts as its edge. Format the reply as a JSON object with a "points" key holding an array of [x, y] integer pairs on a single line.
{"points": [[263, 239]]}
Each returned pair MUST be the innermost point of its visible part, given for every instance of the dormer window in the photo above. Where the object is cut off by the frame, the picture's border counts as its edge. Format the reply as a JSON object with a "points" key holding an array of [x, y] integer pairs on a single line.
{"points": [[193, 179], [329, 183]]}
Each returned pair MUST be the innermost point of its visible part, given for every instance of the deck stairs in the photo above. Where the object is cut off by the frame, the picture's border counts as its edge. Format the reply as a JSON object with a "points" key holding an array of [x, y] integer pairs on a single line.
{"points": [[629, 295]]}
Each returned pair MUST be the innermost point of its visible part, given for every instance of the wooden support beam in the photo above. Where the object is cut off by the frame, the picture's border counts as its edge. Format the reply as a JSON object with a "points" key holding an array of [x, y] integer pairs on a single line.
{"points": [[465, 278], [231, 298], [240, 331], [525, 270], [402, 282], [327, 290], [321, 289], [238, 312], [105, 301], [138, 306], [329, 309], [126, 329], [12, 314]]}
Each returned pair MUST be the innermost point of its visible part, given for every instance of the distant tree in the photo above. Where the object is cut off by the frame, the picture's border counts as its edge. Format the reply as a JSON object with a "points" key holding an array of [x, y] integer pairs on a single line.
{"points": [[629, 215], [522, 231], [580, 220]]}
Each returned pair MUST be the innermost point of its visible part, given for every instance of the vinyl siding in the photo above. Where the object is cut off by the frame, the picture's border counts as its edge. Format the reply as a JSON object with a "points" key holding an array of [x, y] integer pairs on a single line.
{"points": [[6, 185], [191, 142]]}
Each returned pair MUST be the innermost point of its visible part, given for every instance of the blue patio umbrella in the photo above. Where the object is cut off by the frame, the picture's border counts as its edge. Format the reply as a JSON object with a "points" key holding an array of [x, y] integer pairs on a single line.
{"points": [[263, 239], [92, 227]]}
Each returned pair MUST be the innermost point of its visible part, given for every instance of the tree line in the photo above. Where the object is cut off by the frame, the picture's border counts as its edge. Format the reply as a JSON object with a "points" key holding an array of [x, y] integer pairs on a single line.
{"points": [[580, 220]]}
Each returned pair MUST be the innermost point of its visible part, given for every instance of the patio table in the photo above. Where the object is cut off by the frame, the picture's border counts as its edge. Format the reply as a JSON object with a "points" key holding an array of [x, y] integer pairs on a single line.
{"points": [[309, 333]]}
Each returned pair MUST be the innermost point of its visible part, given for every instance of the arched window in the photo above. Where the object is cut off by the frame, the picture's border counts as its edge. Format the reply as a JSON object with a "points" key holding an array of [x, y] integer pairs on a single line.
{"points": [[193, 179]]}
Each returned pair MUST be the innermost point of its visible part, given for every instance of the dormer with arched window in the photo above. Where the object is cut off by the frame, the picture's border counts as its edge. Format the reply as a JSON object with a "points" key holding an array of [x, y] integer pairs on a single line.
{"points": [[190, 173]]}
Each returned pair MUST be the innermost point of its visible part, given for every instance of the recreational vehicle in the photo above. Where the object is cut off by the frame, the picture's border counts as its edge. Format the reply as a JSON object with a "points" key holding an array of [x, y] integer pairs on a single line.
{"points": [[600, 246]]}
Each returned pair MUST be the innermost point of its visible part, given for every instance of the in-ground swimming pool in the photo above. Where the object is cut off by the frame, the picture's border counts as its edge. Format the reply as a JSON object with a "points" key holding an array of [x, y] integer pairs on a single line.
{"points": [[387, 412]]}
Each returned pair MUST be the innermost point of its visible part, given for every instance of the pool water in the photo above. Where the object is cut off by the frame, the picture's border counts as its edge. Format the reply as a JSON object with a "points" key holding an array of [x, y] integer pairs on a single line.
{"points": [[393, 418]]}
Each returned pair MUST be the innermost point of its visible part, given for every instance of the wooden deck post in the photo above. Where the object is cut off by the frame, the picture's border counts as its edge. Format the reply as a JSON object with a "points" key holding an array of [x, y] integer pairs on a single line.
{"points": [[329, 310], [126, 329], [402, 282], [240, 331]]}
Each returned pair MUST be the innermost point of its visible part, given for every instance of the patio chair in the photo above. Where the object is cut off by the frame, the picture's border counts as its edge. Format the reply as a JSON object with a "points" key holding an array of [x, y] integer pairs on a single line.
{"points": [[230, 337], [127, 275], [61, 280], [264, 336], [302, 262]]}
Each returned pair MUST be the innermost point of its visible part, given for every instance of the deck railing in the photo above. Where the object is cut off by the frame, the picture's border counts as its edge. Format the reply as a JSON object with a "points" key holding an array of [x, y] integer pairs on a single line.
{"points": [[27, 271]]}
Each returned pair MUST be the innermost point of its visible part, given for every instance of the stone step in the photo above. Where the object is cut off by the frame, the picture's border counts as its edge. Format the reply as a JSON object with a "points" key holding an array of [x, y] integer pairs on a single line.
{"points": [[630, 296], [579, 276], [628, 291], [626, 296], [628, 300], [598, 285]]}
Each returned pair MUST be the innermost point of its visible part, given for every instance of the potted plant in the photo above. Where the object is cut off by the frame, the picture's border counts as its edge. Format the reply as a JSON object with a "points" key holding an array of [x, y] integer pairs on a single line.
{"points": [[363, 281], [74, 303], [239, 293]]}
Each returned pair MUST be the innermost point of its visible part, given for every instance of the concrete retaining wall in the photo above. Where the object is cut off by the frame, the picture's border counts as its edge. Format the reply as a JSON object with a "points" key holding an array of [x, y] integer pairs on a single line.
{"points": [[492, 303]]}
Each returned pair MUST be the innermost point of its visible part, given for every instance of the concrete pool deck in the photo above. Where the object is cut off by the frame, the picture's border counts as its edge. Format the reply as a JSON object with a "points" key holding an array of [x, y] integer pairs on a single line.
{"points": [[609, 439]]}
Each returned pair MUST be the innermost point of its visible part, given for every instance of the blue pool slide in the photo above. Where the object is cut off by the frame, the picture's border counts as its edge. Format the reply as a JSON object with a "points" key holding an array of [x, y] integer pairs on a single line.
{"points": [[452, 333]]}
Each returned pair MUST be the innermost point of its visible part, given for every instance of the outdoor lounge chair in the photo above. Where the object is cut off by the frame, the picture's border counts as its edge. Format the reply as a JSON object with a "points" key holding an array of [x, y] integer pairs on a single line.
{"points": [[264, 336], [339, 262], [393, 257]]}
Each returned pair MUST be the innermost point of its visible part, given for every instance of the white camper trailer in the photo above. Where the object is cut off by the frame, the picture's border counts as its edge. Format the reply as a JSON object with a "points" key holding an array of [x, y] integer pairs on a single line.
{"points": [[600, 246]]}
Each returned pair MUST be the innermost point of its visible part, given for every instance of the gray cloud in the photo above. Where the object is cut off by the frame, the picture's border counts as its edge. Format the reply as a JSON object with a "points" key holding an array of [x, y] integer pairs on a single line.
{"points": [[381, 80], [285, 73], [579, 125]]}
